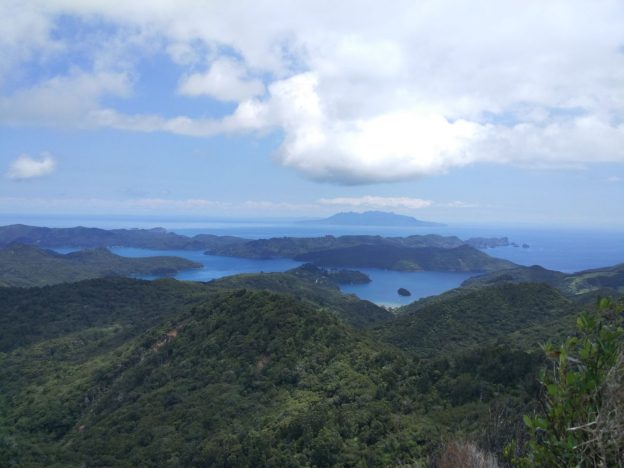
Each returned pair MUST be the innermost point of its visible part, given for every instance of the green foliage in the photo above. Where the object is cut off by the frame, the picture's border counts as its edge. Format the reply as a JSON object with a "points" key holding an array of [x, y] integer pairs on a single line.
{"points": [[583, 285], [522, 313], [313, 286], [30, 316], [122, 372], [245, 379], [582, 423]]}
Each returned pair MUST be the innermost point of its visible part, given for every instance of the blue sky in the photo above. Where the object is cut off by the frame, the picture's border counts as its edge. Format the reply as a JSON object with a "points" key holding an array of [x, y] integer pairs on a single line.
{"points": [[504, 112]]}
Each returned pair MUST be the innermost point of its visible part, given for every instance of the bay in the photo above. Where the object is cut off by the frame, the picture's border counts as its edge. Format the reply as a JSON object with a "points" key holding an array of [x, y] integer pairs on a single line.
{"points": [[563, 249]]}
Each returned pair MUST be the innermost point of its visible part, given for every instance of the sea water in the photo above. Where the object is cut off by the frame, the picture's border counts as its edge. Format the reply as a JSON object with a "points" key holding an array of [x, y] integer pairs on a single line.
{"points": [[566, 250]]}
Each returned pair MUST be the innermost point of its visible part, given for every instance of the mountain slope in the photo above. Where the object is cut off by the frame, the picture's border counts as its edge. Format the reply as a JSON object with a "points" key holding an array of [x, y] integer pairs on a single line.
{"points": [[465, 318], [245, 379], [311, 285], [25, 266], [129, 306], [121, 372]]}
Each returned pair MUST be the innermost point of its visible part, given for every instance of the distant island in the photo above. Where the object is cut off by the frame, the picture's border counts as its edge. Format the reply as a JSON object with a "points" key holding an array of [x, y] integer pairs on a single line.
{"points": [[27, 266], [372, 218]]}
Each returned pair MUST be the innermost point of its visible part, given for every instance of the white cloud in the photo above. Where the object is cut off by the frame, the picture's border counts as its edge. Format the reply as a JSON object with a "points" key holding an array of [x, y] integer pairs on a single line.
{"points": [[226, 80], [62, 100], [154, 205], [459, 204], [377, 202], [25, 167], [361, 92]]}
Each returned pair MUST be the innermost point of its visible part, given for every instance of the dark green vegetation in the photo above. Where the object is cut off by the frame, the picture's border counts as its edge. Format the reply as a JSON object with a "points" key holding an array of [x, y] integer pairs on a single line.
{"points": [[82, 237], [348, 276], [120, 372], [270, 369], [463, 258], [607, 281], [582, 423], [29, 316], [25, 265], [522, 314], [371, 218], [313, 286]]}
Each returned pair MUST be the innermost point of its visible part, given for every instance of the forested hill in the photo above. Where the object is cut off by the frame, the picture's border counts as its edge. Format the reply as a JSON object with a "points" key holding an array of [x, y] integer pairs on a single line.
{"points": [[276, 369], [462, 258], [313, 286], [589, 283], [26, 265], [525, 314], [119, 372]]}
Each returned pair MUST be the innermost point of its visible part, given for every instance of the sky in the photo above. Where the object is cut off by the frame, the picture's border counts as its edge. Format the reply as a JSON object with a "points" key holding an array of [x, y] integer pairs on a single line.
{"points": [[451, 111]]}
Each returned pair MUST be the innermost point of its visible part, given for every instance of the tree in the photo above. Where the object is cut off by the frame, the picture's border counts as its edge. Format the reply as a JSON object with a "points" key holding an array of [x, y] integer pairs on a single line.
{"points": [[583, 419]]}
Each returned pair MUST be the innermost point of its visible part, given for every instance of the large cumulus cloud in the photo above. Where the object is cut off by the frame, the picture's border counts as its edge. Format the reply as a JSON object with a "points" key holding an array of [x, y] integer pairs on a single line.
{"points": [[361, 92]]}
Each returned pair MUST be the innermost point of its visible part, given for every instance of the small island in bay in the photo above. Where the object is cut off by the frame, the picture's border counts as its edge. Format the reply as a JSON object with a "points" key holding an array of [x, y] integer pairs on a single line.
{"points": [[403, 292]]}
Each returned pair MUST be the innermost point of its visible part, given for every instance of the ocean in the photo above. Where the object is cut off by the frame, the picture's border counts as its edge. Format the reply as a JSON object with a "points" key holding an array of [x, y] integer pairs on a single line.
{"points": [[562, 249]]}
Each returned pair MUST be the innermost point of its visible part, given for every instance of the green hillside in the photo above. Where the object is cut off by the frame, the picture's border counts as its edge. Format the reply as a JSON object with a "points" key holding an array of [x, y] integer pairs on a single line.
{"points": [[314, 286], [32, 315], [245, 379], [524, 314], [586, 284], [25, 266], [120, 372]]}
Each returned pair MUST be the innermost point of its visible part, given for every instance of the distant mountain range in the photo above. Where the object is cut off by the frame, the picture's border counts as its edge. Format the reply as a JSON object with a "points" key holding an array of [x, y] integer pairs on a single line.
{"points": [[372, 218]]}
